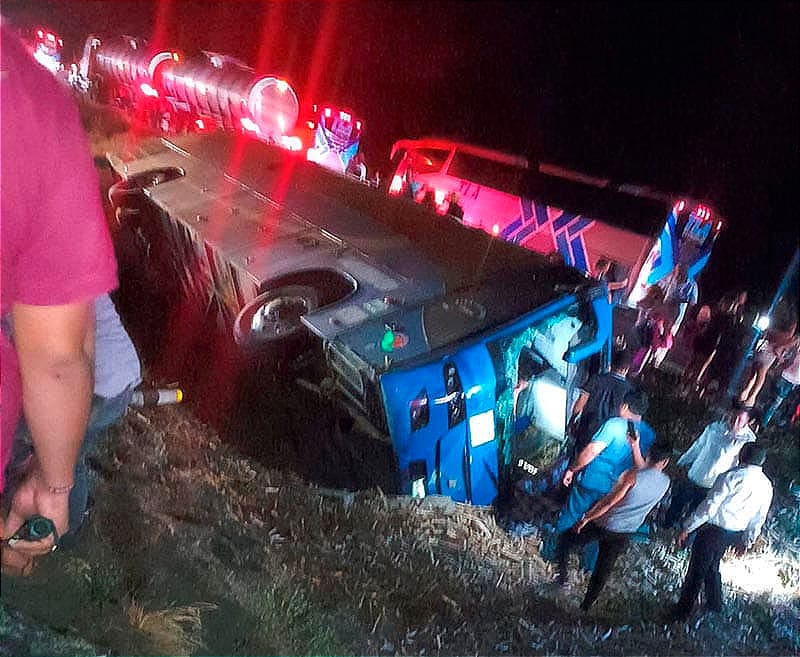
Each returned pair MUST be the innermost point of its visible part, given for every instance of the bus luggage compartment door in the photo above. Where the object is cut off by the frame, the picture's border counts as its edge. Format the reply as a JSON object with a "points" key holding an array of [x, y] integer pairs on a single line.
{"points": [[441, 421]]}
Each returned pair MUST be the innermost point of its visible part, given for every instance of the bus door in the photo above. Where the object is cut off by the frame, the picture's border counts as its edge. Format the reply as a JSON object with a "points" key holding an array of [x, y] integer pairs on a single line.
{"points": [[441, 420]]}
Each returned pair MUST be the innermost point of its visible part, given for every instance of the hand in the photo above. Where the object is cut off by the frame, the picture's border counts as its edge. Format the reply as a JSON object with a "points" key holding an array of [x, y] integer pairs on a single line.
{"points": [[580, 524], [680, 539], [33, 497], [568, 475], [633, 437]]}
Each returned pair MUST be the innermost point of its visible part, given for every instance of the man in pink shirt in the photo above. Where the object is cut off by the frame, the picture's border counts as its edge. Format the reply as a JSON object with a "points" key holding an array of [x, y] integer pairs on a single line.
{"points": [[56, 258]]}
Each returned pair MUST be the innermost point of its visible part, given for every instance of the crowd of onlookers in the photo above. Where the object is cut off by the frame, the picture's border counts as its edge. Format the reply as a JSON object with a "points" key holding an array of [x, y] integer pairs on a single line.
{"points": [[714, 341], [615, 466]]}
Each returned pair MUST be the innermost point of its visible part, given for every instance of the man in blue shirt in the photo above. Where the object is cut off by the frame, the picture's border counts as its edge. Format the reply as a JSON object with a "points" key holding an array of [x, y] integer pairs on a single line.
{"points": [[616, 447]]}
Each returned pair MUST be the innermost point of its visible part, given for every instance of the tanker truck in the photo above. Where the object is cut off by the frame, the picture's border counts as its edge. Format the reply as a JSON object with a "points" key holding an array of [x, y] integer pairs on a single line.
{"points": [[173, 94]]}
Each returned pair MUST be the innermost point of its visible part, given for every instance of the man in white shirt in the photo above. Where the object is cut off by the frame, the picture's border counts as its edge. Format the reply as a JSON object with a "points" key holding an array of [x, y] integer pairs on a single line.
{"points": [[731, 515], [715, 451]]}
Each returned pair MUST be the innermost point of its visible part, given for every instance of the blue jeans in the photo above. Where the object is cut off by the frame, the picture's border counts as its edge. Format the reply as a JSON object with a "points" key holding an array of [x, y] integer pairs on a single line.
{"points": [[104, 413]]}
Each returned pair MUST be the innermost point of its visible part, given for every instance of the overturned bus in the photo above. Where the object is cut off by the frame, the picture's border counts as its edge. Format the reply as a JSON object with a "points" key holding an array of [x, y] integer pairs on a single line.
{"points": [[459, 348]]}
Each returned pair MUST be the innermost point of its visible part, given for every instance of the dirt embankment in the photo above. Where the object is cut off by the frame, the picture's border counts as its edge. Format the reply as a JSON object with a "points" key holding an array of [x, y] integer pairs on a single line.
{"points": [[199, 544], [193, 548]]}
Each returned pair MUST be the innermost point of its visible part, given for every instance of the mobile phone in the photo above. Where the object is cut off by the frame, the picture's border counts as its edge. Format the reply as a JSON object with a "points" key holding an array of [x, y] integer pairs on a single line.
{"points": [[631, 431]]}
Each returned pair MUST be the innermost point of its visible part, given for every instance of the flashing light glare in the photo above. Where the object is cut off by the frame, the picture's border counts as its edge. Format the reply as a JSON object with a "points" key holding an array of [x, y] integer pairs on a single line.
{"points": [[344, 116], [51, 36], [200, 124], [396, 186], [61, 42], [762, 322], [176, 57], [496, 229], [358, 125], [292, 143], [283, 86], [147, 90], [249, 125], [679, 206], [310, 125], [438, 196], [281, 122], [328, 112], [40, 34], [719, 225]]}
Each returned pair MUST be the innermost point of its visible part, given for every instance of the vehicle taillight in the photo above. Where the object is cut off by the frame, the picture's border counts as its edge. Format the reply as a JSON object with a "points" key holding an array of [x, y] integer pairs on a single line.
{"points": [[396, 186], [419, 410], [456, 406]]}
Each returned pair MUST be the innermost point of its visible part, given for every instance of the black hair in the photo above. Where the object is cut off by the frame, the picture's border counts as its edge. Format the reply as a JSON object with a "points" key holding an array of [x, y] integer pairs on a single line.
{"points": [[659, 451], [636, 400], [620, 359], [752, 454]]}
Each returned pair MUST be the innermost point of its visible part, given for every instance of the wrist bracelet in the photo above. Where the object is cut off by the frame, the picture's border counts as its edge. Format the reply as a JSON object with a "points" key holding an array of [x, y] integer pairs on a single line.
{"points": [[59, 490]]}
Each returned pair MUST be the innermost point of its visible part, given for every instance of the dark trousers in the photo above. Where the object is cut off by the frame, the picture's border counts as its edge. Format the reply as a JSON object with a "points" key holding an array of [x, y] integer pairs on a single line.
{"points": [[709, 546], [612, 544], [686, 497]]}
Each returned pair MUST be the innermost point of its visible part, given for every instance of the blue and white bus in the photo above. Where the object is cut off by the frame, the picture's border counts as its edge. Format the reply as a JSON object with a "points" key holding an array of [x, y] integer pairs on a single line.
{"points": [[426, 331]]}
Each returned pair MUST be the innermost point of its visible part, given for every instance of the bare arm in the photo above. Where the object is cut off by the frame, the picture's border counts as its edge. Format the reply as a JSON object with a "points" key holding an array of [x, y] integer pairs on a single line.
{"points": [[55, 347], [625, 482], [579, 405], [587, 455]]}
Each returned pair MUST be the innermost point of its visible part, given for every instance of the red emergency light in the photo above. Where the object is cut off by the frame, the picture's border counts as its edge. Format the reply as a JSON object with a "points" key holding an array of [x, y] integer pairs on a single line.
{"points": [[40, 34], [679, 206], [327, 112], [396, 186]]}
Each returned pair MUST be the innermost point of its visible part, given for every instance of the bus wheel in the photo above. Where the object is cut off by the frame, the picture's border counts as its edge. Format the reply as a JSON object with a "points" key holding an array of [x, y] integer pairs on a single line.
{"points": [[273, 319]]}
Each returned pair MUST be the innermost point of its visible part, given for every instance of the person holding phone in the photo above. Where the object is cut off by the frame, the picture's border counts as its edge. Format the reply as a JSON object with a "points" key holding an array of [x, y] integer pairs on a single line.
{"points": [[617, 446]]}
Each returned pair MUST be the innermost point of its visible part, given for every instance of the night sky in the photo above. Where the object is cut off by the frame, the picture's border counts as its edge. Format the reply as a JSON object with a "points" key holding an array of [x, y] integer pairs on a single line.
{"points": [[686, 97]]}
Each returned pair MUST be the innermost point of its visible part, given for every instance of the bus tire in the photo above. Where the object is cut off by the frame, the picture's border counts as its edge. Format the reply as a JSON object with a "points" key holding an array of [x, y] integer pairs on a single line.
{"points": [[272, 321]]}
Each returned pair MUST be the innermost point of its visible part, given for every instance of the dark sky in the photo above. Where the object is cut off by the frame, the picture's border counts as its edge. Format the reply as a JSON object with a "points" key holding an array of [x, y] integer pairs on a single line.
{"points": [[699, 98]]}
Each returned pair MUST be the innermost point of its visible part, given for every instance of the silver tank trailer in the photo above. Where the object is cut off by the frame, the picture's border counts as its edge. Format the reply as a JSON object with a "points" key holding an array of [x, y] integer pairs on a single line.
{"points": [[232, 93], [127, 62]]}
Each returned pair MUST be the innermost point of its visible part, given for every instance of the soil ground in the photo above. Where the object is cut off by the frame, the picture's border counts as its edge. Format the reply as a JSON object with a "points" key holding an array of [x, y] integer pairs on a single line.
{"points": [[275, 532]]}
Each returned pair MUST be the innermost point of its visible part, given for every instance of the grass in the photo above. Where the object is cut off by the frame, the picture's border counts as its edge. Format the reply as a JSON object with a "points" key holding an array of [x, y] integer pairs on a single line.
{"points": [[292, 624], [170, 631]]}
